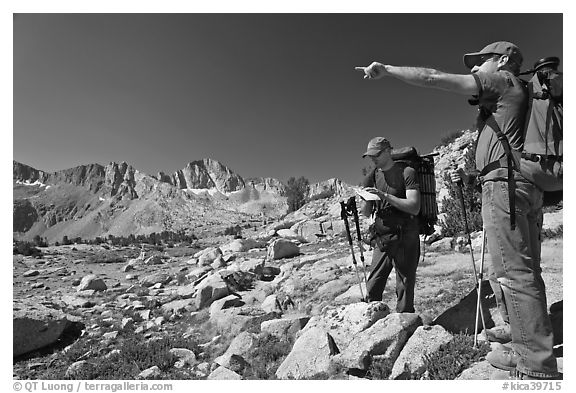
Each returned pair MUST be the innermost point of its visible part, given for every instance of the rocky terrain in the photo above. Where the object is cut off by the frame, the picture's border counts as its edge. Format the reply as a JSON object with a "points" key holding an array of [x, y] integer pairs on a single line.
{"points": [[303, 293], [281, 301]]}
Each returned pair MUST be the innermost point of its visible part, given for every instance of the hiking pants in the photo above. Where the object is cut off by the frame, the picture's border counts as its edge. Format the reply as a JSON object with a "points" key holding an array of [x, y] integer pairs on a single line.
{"points": [[515, 256], [403, 255]]}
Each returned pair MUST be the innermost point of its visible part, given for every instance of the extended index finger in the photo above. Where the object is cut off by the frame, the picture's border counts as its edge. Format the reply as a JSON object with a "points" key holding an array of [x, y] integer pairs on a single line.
{"points": [[360, 68]]}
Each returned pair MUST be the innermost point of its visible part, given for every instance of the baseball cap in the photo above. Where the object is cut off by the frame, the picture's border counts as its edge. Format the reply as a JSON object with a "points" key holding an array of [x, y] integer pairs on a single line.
{"points": [[496, 48], [376, 145]]}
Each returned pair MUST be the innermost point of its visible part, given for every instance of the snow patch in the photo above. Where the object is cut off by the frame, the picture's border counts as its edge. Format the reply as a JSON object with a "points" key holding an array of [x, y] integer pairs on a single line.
{"points": [[102, 199], [27, 183], [204, 191]]}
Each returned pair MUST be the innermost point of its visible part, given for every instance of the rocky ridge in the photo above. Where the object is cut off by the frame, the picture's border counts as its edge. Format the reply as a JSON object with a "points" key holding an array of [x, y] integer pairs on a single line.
{"points": [[96, 200]]}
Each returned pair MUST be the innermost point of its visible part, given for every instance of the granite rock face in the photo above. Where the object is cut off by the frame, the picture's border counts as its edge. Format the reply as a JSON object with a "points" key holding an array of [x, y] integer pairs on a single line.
{"points": [[35, 326]]}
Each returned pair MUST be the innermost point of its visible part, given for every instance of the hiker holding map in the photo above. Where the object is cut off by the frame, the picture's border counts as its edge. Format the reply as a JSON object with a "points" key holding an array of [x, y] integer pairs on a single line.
{"points": [[392, 196]]}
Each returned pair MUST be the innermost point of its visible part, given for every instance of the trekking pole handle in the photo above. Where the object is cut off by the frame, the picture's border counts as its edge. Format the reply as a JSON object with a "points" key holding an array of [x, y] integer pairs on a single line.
{"points": [[344, 216]]}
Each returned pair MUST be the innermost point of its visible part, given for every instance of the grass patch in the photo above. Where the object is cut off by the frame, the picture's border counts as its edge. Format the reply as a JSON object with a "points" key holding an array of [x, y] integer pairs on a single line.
{"points": [[266, 356], [454, 357], [380, 369], [134, 354]]}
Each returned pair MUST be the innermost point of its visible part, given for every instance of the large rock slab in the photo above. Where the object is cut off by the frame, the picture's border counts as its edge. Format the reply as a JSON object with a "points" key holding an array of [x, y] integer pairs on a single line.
{"points": [[155, 278], [386, 337], [352, 295], [290, 235], [285, 328], [222, 373], [477, 372], [241, 245], [461, 317], [77, 301], [207, 256], [224, 303], [154, 260], [179, 306], [282, 248], [238, 319], [35, 326], [271, 303], [240, 345], [92, 282], [345, 322], [425, 340], [309, 356], [442, 245], [209, 290], [308, 230]]}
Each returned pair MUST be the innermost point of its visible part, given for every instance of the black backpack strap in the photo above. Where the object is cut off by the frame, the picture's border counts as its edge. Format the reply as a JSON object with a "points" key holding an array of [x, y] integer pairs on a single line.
{"points": [[508, 162]]}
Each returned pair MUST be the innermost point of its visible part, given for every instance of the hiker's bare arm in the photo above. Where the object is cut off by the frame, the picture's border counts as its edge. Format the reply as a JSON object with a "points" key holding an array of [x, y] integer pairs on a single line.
{"points": [[410, 204], [423, 77]]}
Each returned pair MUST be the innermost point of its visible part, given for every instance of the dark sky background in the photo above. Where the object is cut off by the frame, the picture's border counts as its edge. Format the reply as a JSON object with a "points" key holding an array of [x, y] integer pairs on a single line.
{"points": [[268, 95]]}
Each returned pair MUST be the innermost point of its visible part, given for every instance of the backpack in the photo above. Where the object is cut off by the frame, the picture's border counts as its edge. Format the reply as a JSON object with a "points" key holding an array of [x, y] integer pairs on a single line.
{"points": [[541, 159], [424, 167]]}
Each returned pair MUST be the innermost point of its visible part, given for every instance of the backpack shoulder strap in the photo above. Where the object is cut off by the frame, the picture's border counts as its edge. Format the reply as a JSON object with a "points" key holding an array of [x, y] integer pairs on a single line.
{"points": [[510, 162]]}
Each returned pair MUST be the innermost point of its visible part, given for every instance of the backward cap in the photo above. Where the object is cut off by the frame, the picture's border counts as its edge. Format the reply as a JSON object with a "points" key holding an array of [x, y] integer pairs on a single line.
{"points": [[376, 145], [496, 48]]}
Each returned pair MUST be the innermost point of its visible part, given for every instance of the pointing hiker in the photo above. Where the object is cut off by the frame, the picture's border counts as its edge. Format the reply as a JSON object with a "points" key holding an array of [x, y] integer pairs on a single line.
{"points": [[515, 252], [395, 229]]}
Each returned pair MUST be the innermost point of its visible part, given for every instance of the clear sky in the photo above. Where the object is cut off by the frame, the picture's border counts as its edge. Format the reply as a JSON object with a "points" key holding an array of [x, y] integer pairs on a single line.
{"points": [[268, 95]]}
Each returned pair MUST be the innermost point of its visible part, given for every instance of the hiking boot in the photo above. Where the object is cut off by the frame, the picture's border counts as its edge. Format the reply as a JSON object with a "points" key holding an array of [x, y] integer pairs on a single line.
{"points": [[500, 334], [500, 375], [504, 358]]}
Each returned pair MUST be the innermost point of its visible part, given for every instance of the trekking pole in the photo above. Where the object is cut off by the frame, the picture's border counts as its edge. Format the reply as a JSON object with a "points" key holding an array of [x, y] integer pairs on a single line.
{"points": [[354, 208], [478, 303], [460, 192], [344, 216]]}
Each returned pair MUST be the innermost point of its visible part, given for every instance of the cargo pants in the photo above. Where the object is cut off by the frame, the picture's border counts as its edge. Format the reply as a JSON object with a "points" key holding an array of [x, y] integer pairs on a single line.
{"points": [[403, 255]]}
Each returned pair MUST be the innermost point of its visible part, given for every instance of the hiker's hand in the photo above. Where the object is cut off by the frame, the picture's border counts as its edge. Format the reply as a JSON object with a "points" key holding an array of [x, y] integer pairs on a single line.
{"points": [[458, 176], [373, 190], [373, 71]]}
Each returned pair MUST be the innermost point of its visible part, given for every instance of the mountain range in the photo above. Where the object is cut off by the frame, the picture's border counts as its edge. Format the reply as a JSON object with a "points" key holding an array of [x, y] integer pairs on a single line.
{"points": [[116, 199]]}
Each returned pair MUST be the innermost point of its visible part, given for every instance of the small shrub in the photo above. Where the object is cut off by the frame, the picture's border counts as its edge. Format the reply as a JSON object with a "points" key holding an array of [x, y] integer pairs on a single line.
{"points": [[105, 257], [26, 249], [454, 357], [266, 357], [234, 230], [40, 242], [449, 138], [380, 369]]}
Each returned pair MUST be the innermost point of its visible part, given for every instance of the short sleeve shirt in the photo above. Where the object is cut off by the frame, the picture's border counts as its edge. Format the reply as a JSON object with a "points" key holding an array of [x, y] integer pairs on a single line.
{"points": [[394, 181], [504, 96]]}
